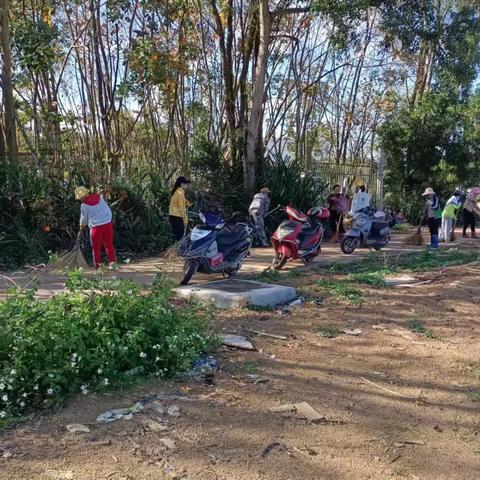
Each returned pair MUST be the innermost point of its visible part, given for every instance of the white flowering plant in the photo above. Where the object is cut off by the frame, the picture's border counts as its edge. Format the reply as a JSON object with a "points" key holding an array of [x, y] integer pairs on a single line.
{"points": [[89, 338]]}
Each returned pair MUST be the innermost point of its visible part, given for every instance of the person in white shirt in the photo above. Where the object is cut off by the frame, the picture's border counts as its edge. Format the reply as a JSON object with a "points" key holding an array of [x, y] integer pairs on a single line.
{"points": [[360, 200]]}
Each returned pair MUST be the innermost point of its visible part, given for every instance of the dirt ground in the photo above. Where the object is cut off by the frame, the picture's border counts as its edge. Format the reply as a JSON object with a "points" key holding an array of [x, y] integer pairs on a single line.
{"points": [[396, 404]]}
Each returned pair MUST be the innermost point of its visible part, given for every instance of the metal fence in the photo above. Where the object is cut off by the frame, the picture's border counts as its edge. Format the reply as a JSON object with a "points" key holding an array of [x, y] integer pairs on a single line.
{"points": [[346, 174]]}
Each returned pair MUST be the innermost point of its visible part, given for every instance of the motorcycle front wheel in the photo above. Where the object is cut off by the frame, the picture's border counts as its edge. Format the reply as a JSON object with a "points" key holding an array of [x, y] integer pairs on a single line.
{"points": [[348, 245], [189, 269], [279, 261]]}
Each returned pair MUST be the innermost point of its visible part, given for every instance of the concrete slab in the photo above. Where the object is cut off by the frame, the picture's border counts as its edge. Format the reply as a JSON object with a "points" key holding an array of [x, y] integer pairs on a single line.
{"points": [[233, 293]]}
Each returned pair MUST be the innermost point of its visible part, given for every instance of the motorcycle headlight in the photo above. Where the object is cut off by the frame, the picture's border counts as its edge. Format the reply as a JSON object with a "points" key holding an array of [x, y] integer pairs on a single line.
{"points": [[361, 221]]}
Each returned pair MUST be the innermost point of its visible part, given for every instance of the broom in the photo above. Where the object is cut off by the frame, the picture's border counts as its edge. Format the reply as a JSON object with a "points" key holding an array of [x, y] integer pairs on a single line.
{"points": [[416, 239], [335, 236], [71, 259]]}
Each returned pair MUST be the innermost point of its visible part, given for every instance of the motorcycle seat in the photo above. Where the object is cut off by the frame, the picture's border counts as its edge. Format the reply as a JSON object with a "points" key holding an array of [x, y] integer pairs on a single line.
{"points": [[229, 236]]}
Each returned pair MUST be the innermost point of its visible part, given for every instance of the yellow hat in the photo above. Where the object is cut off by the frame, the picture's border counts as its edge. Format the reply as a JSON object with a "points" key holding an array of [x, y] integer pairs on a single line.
{"points": [[81, 192], [359, 182]]}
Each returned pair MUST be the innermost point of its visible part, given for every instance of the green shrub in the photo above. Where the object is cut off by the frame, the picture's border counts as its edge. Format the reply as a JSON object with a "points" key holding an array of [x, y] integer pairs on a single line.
{"points": [[89, 338], [39, 214], [290, 185]]}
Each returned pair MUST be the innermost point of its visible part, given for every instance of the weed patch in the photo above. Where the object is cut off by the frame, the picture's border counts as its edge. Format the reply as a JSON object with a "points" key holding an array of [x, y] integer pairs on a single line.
{"points": [[327, 331], [418, 327], [342, 289], [374, 279], [269, 275], [418, 262], [90, 338]]}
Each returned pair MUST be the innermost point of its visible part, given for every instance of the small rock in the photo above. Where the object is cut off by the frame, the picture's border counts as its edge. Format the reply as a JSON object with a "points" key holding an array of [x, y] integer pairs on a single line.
{"points": [[236, 341], [158, 407], [77, 428], [355, 331], [154, 426], [173, 411], [7, 454], [168, 442]]}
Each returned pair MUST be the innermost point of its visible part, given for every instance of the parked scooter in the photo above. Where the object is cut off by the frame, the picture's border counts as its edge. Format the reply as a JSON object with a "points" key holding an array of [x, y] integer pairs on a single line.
{"points": [[370, 229], [213, 247], [300, 236]]}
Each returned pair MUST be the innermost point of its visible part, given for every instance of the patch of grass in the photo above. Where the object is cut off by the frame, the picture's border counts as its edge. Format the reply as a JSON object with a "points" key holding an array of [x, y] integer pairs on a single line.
{"points": [[327, 331], [417, 326], [342, 289], [474, 394], [269, 275], [295, 273], [250, 367], [418, 262], [260, 308], [374, 279]]}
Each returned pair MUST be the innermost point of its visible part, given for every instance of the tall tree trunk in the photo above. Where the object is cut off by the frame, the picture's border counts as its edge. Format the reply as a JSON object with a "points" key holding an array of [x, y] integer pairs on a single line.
{"points": [[7, 86], [254, 122]]}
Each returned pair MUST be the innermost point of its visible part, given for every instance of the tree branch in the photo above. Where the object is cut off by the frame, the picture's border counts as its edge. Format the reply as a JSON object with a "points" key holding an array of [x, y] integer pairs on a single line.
{"points": [[285, 35], [290, 11]]}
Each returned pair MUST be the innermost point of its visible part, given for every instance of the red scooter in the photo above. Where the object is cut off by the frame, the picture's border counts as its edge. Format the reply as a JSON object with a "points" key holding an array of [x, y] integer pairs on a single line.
{"points": [[300, 236]]}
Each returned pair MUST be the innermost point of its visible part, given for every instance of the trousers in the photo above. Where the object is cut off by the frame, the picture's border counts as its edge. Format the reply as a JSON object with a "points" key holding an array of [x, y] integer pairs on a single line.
{"points": [[447, 229], [178, 227], [102, 236], [468, 221], [260, 229]]}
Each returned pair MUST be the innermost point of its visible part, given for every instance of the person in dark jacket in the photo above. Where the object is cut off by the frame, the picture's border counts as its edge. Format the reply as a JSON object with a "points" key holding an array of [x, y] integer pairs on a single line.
{"points": [[338, 206], [433, 213]]}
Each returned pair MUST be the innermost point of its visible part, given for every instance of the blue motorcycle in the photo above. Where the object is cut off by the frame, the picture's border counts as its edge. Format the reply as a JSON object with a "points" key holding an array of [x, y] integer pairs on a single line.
{"points": [[370, 229], [214, 247]]}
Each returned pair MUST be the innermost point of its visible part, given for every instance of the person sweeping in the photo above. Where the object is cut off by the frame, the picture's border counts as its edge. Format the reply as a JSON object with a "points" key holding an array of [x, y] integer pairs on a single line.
{"points": [[469, 209], [449, 215], [258, 210], [433, 213], [97, 216], [338, 205]]}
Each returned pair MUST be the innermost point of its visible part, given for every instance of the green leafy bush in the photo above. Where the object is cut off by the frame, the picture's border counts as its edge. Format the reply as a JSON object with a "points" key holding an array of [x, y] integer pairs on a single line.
{"points": [[39, 214], [290, 185], [90, 338]]}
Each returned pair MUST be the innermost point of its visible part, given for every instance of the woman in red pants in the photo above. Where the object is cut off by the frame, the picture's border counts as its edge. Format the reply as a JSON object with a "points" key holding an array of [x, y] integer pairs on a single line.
{"points": [[96, 214]]}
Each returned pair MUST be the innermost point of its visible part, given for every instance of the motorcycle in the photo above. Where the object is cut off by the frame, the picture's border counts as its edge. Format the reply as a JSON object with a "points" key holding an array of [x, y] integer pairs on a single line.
{"points": [[370, 229], [300, 236], [214, 247]]}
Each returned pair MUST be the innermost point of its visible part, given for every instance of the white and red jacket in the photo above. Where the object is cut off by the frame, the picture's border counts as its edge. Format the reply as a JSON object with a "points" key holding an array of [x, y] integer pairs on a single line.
{"points": [[94, 211]]}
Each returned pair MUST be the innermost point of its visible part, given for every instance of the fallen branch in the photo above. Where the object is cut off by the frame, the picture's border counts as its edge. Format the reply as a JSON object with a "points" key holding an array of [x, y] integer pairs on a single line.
{"points": [[264, 334], [388, 390]]}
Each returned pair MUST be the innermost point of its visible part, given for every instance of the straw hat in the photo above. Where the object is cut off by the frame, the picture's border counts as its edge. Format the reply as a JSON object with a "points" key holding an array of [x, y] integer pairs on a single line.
{"points": [[81, 192], [359, 182], [265, 190], [428, 191]]}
